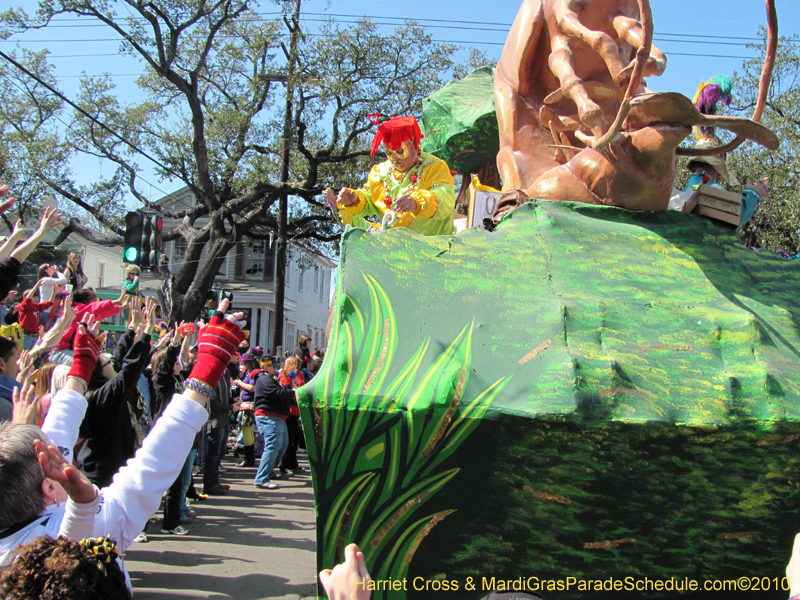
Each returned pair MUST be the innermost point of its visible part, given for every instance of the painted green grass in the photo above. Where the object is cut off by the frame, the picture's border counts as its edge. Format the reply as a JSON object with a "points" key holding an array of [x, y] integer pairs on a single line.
{"points": [[381, 432]]}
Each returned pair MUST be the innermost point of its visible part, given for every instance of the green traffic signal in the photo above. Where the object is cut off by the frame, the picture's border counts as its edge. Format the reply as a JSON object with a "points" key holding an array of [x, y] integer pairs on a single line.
{"points": [[131, 254], [134, 225]]}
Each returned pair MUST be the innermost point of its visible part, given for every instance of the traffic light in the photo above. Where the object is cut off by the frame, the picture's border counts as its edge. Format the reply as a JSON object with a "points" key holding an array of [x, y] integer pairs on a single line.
{"points": [[156, 224], [212, 299], [223, 294], [134, 228], [147, 232]]}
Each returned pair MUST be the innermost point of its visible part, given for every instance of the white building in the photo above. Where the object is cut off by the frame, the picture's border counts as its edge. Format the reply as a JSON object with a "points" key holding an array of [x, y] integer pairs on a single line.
{"points": [[248, 273]]}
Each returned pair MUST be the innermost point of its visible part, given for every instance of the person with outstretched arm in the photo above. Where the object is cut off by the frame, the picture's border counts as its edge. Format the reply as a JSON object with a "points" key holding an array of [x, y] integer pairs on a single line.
{"points": [[36, 497]]}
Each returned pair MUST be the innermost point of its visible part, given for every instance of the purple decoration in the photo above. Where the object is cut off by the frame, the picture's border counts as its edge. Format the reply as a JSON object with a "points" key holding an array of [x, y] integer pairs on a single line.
{"points": [[707, 103], [708, 98]]}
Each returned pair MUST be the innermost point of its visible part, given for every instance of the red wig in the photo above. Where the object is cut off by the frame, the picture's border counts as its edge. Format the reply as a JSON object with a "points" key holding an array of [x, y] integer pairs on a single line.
{"points": [[396, 131]]}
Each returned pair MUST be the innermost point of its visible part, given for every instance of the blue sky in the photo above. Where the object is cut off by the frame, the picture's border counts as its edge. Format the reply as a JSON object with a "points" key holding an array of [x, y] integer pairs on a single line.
{"points": [[679, 25]]}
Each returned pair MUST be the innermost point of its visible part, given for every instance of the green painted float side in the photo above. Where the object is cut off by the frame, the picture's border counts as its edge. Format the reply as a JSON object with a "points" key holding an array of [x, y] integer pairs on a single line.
{"points": [[507, 404]]}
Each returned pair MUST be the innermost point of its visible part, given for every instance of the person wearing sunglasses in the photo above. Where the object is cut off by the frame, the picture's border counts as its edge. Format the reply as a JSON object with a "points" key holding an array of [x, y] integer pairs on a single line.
{"points": [[415, 185]]}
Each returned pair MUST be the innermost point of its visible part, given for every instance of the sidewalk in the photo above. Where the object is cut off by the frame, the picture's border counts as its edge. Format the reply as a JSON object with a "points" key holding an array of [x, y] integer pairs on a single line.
{"points": [[248, 545]]}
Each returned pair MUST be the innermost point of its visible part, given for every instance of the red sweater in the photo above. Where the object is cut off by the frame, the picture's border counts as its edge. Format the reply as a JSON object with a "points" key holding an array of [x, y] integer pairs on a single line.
{"points": [[101, 310], [29, 314]]}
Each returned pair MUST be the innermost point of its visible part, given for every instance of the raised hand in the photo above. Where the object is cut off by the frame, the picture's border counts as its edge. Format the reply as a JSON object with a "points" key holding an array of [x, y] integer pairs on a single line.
{"points": [[50, 220], [164, 340], [25, 405], [135, 317], [25, 366], [217, 342], [18, 233], [8, 203], [340, 582], [122, 300], [87, 348], [54, 467], [50, 339], [150, 314]]}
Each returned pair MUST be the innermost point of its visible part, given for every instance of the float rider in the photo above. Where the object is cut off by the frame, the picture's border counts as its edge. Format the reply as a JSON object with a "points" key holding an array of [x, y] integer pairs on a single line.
{"points": [[416, 185]]}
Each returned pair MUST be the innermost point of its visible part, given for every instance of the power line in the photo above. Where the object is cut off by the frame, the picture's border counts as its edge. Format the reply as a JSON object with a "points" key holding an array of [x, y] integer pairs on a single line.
{"points": [[449, 24], [78, 133], [100, 123], [375, 18], [467, 42]]}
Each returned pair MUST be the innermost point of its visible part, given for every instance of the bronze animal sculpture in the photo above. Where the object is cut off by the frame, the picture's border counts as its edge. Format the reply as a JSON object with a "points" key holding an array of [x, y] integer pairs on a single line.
{"points": [[576, 120]]}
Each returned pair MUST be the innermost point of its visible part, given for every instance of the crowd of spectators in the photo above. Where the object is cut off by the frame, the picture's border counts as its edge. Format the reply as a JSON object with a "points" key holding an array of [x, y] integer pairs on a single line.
{"points": [[90, 440]]}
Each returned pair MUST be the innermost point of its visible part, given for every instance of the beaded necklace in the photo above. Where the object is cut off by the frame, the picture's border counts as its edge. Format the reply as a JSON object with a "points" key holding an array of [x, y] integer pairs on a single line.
{"points": [[398, 177]]}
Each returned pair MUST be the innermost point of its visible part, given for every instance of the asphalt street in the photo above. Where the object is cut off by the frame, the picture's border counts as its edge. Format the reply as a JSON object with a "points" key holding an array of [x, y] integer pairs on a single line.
{"points": [[248, 545]]}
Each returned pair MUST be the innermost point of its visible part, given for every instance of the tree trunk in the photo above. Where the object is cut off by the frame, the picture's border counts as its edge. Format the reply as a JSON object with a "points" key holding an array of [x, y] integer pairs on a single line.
{"points": [[189, 297]]}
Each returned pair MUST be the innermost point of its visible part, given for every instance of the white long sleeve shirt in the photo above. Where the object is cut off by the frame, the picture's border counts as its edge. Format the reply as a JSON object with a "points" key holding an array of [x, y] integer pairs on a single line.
{"points": [[136, 490], [46, 288]]}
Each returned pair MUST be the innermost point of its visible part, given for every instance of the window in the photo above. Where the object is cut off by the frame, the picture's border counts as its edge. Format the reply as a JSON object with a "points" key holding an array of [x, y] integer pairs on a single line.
{"points": [[179, 248], [316, 278], [289, 337], [321, 285], [300, 279], [101, 273], [288, 268], [254, 258]]}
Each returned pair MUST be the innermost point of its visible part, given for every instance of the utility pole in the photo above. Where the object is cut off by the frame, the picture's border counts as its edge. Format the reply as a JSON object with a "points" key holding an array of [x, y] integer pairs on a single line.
{"points": [[280, 266]]}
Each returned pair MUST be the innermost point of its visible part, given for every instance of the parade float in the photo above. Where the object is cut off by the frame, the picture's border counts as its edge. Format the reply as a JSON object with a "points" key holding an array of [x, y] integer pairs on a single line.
{"points": [[598, 393]]}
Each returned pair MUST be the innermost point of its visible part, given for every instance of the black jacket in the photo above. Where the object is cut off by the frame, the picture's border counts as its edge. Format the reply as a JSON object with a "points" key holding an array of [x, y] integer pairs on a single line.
{"points": [[304, 354], [108, 427], [220, 406], [164, 384], [271, 396], [9, 273]]}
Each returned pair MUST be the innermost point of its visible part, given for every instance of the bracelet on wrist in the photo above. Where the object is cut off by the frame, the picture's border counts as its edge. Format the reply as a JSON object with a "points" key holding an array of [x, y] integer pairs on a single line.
{"points": [[79, 379], [200, 387]]}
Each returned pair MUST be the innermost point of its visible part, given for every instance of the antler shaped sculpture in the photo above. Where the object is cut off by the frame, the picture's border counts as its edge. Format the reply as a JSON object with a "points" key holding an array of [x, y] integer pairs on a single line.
{"points": [[557, 138]]}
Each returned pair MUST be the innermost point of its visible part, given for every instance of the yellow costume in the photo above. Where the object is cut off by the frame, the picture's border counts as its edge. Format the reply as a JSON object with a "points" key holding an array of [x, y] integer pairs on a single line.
{"points": [[429, 182]]}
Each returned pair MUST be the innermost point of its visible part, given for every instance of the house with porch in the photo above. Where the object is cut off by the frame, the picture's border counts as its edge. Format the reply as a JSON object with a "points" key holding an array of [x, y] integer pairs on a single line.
{"points": [[248, 273]]}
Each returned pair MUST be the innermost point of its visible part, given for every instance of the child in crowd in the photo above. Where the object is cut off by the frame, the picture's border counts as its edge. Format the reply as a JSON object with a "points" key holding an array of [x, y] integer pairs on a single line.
{"points": [[131, 284], [30, 316]]}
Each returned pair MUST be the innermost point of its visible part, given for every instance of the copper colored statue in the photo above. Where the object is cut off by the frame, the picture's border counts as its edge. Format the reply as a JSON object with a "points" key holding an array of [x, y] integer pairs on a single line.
{"points": [[576, 121]]}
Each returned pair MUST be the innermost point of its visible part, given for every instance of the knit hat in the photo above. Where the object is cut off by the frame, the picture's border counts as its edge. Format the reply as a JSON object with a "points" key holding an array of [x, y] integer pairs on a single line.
{"points": [[396, 131]]}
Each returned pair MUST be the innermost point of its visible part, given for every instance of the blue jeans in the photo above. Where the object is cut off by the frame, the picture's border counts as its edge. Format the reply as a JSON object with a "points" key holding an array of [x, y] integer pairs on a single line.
{"points": [[186, 474], [276, 440], [29, 340]]}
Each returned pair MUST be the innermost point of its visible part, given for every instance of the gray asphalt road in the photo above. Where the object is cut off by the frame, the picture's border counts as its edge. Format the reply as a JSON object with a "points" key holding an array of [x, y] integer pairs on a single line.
{"points": [[248, 545]]}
